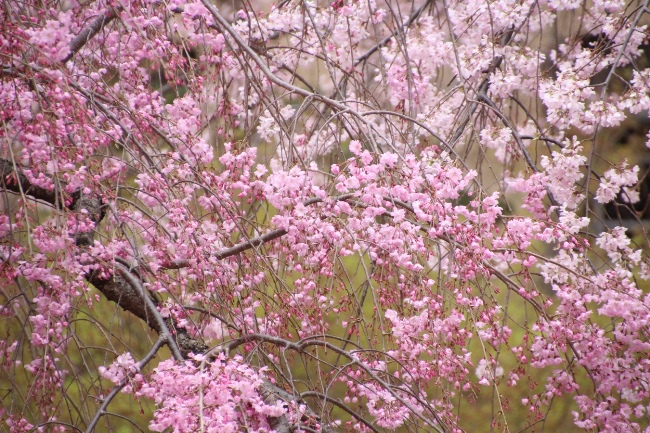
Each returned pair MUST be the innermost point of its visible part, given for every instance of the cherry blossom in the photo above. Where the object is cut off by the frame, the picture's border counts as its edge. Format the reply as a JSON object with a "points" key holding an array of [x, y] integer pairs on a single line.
{"points": [[324, 216]]}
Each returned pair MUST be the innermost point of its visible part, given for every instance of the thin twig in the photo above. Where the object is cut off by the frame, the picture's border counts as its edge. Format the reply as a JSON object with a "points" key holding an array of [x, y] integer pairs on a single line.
{"points": [[102, 408]]}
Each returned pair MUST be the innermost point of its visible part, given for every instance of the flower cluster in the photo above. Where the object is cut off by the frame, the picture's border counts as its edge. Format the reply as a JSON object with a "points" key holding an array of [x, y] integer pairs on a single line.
{"points": [[402, 198]]}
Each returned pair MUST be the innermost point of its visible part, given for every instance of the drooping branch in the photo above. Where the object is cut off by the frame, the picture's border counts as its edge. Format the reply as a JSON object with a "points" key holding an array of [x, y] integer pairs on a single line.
{"points": [[437, 424], [150, 308], [116, 390], [122, 286]]}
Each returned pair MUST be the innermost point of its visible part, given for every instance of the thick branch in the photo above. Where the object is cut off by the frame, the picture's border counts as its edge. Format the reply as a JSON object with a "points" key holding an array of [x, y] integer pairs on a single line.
{"points": [[414, 16], [252, 242], [237, 249], [16, 181], [482, 88], [122, 288], [89, 32], [115, 287]]}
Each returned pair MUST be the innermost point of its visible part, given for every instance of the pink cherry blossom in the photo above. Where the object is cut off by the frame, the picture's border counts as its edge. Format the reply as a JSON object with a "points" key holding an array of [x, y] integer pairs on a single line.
{"points": [[324, 216]]}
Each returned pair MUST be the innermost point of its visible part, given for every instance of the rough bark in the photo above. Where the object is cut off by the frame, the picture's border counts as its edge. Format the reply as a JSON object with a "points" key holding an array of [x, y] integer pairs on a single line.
{"points": [[118, 289]]}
